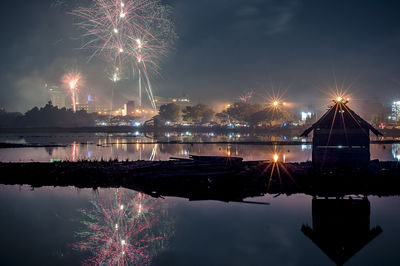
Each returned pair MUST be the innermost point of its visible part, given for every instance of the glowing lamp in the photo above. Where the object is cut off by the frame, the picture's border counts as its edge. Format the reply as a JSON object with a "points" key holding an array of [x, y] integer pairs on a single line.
{"points": [[276, 157]]}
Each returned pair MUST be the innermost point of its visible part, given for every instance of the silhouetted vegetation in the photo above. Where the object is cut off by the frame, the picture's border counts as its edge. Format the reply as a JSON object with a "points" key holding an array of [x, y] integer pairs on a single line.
{"points": [[239, 112], [8, 119], [170, 112], [254, 114], [47, 116], [199, 113]]}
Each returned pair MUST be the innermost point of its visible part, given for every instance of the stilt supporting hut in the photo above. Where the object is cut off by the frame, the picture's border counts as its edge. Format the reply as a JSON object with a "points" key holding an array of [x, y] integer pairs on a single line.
{"points": [[341, 137]]}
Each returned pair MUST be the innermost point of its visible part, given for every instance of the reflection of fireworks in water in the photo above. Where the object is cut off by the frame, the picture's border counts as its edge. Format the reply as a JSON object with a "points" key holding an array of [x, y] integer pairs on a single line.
{"points": [[72, 81], [123, 228], [75, 151], [154, 152], [133, 33]]}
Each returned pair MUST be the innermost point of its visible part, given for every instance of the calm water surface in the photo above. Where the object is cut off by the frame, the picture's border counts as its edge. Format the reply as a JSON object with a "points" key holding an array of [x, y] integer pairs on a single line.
{"points": [[67, 226], [132, 147]]}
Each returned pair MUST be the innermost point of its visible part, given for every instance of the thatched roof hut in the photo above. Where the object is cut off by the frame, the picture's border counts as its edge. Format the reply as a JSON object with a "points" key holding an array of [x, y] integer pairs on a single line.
{"points": [[341, 137]]}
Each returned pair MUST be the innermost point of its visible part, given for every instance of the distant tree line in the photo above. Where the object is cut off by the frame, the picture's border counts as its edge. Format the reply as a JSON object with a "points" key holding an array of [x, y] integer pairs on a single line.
{"points": [[239, 112], [47, 116]]}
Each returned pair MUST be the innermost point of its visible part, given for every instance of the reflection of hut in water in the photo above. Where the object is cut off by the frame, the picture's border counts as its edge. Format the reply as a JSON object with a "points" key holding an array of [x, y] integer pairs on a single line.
{"points": [[341, 227], [341, 137]]}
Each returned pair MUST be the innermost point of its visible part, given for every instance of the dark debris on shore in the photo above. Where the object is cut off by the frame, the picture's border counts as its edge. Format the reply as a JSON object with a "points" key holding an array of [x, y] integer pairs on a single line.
{"points": [[209, 177]]}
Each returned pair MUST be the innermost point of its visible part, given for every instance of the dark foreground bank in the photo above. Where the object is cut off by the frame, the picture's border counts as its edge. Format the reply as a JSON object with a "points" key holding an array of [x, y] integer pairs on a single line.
{"points": [[201, 178]]}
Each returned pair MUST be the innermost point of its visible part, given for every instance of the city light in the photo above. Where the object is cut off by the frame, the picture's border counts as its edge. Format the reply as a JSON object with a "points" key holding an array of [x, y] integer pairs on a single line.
{"points": [[339, 95], [395, 116], [305, 116], [276, 157]]}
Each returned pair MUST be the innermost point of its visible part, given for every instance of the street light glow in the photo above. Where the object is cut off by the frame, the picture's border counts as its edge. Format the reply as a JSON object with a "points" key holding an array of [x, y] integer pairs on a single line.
{"points": [[276, 157]]}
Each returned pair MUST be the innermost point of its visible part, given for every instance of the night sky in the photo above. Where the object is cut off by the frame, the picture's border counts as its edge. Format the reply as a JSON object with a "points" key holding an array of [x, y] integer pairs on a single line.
{"points": [[225, 48]]}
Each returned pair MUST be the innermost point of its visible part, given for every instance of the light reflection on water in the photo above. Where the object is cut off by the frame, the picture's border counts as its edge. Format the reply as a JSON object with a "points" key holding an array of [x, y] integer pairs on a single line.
{"points": [[77, 151], [396, 151], [126, 147]]}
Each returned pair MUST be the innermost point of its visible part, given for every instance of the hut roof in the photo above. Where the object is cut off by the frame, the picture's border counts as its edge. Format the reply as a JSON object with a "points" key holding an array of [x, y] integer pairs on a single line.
{"points": [[340, 116], [341, 252]]}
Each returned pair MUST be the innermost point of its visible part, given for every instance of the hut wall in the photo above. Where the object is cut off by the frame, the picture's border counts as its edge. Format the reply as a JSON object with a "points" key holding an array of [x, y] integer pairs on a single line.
{"points": [[338, 146]]}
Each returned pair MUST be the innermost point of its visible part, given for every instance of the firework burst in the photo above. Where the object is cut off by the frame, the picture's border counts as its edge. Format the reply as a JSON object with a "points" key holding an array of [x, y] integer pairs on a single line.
{"points": [[121, 229], [246, 97], [134, 34], [72, 81]]}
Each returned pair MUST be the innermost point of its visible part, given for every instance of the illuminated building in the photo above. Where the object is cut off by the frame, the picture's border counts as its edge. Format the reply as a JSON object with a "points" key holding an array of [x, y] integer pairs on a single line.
{"points": [[341, 137], [305, 116], [395, 111], [57, 96], [129, 109], [82, 107], [92, 106], [102, 110]]}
